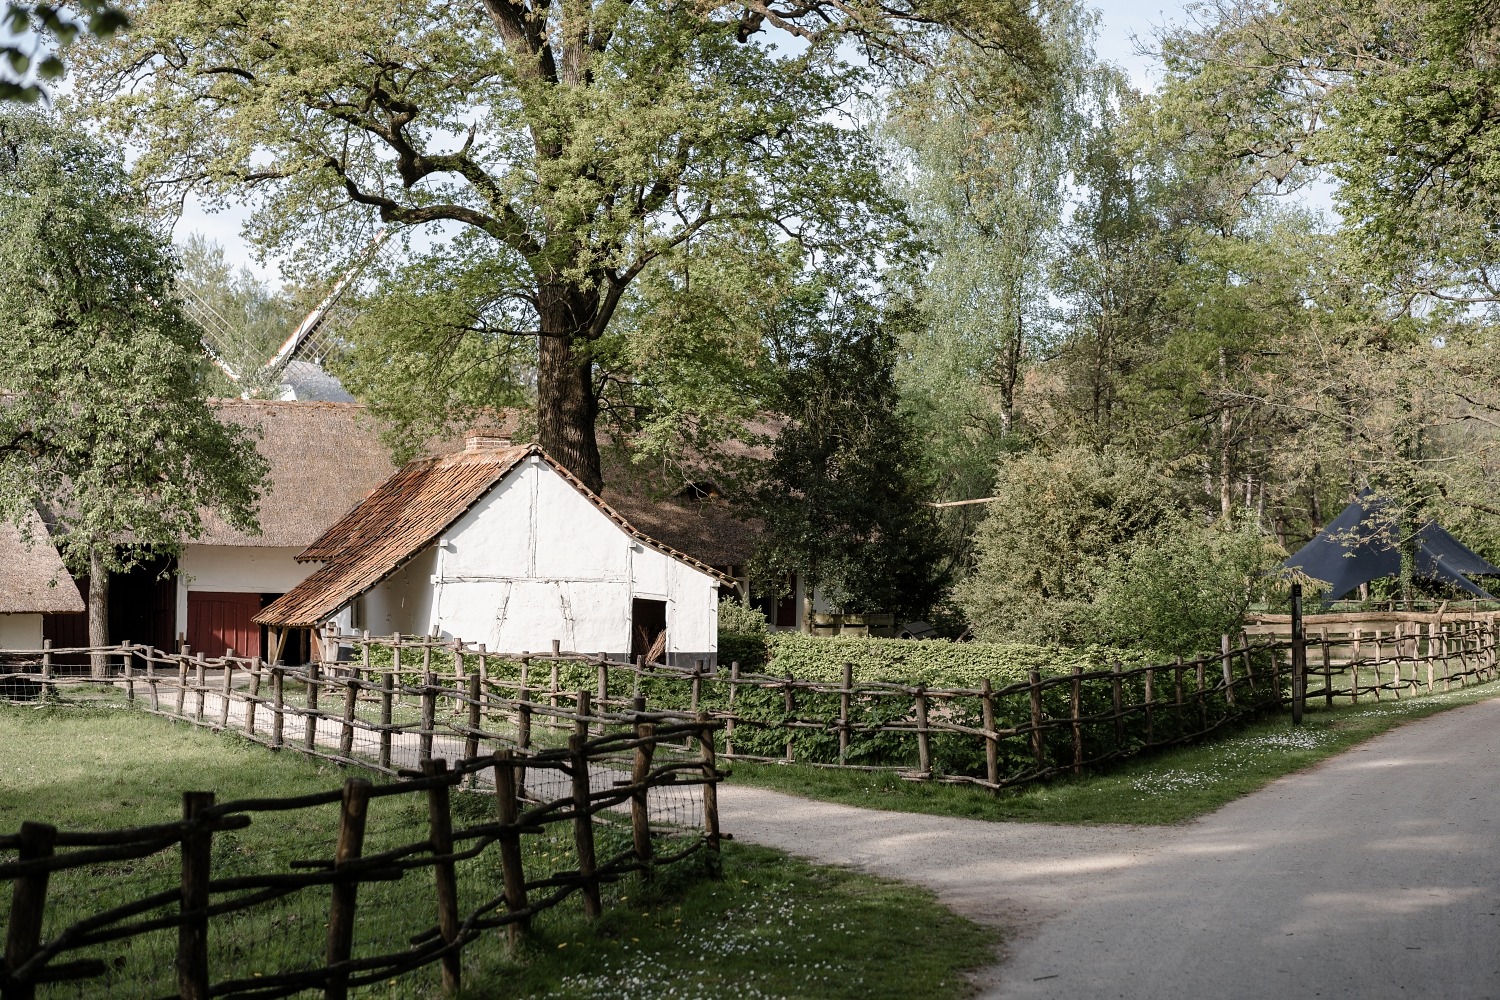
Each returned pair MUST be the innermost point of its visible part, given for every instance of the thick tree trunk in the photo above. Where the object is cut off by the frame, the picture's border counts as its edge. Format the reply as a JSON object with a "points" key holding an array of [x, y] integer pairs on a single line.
{"points": [[567, 409], [98, 613]]}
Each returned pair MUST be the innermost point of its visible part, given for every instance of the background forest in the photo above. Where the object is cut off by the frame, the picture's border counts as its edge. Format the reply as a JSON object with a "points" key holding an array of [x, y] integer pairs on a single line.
{"points": [[1165, 336]]}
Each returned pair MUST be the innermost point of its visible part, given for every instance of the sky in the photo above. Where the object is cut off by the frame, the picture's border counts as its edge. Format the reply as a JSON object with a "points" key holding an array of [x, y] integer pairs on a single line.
{"points": [[1123, 26]]}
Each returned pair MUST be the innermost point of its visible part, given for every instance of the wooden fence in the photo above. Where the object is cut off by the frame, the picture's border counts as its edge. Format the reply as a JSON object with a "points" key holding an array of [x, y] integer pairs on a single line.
{"points": [[616, 775]]}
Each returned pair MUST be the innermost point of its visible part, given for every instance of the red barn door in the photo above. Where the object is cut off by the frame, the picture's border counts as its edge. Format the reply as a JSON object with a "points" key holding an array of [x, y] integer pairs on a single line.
{"points": [[219, 621]]}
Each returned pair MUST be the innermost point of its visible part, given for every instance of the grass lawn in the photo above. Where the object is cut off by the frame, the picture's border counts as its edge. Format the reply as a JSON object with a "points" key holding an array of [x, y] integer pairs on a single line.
{"points": [[770, 927], [1162, 788]]}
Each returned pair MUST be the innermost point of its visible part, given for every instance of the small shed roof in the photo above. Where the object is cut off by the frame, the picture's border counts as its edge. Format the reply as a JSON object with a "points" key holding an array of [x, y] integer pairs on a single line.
{"points": [[33, 579], [405, 514], [1360, 545]]}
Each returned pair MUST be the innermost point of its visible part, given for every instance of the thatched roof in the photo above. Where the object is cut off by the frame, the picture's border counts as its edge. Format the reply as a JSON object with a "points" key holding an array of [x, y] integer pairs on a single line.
{"points": [[33, 580], [324, 459], [403, 516]]}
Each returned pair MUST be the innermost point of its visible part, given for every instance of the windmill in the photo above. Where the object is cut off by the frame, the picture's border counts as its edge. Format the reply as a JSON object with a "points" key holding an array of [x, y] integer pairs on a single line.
{"points": [[314, 339]]}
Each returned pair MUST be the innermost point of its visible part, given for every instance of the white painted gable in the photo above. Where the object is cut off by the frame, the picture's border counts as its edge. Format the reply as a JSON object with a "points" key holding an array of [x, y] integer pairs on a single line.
{"points": [[534, 560]]}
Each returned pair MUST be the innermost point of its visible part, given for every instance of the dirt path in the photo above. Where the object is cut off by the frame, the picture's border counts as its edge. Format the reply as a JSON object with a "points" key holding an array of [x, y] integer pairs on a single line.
{"points": [[1375, 874]]}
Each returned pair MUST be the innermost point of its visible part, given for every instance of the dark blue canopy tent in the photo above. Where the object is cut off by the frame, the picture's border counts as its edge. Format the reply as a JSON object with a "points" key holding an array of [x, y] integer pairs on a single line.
{"points": [[1360, 545]]}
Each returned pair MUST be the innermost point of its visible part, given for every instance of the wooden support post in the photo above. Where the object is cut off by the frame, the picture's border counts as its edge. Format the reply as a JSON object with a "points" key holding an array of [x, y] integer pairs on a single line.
{"points": [[1200, 681], [507, 810], [200, 687], [1354, 667], [602, 698], [553, 690], [846, 695], [583, 827], [789, 706], [1429, 662], [351, 842], [429, 719], [1327, 668], [1375, 665], [581, 715], [47, 670], [734, 683], [254, 696], [695, 698], [440, 823], [28, 903], [1076, 705], [1038, 751], [1150, 705], [1226, 664], [127, 664], [924, 737], [523, 718], [180, 702], [351, 709], [1117, 703], [471, 738], [310, 723], [192, 933], [1249, 661], [387, 703], [1299, 656], [1177, 700], [991, 740], [640, 813], [710, 787], [278, 705], [226, 689], [151, 691]]}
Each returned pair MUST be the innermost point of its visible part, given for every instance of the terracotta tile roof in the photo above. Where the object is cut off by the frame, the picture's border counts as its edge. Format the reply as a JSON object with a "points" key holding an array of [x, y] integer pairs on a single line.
{"points": [[33, 579], [401, 517]]}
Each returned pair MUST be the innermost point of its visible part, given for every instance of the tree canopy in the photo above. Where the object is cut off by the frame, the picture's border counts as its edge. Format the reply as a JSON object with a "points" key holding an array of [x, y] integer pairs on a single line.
{"points": [[540, 157], [104, 425]]}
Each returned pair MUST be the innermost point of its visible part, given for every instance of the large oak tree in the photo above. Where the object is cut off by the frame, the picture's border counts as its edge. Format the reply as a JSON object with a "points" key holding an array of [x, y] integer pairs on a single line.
{"points": [[551, 151]]}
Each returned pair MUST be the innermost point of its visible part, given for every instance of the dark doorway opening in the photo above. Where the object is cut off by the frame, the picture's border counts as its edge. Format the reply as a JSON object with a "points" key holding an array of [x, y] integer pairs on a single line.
{"points": [[648, 629]]}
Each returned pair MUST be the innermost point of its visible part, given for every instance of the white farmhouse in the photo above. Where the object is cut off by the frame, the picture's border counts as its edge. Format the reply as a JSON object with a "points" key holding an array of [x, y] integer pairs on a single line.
{"points": [[33, 583], [501, 545]]}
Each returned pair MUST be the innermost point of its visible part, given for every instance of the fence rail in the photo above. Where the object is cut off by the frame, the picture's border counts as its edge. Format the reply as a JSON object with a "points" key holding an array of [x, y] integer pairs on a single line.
{"points": [[649, 777]]}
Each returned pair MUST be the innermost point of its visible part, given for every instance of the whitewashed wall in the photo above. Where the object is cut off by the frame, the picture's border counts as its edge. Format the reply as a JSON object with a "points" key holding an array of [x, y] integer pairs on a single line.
{"points": [[20, 631], [535, 561], [237, 569], [403, 603]]}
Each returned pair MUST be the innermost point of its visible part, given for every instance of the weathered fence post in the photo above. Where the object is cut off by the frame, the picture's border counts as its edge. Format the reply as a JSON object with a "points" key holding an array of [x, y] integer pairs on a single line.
{"points": [[1076, 705], [507, 810], [583, 825], [603, 689], [127, 664], [710, 789], [47, 670], [310, 723], [1200, 681], [351, 709], [226, 688], [1327, 668], [924, 738], [1354, 667], [429, 718], [28, 902], [789, 701], [278, 705], [846, 694], [582, 712], [440, 823], [180, 702], [1429, 660], [640, 815], [387, 700], [696, 697], [523, 717], [1117, 703], [253, 696], [151, 691], [1038, 751], [352, 812], [991, 739], [192, 933], [200, 686], [471, 738], [1299, 655], [1150, 705], [734, 683], [1226, 665]]}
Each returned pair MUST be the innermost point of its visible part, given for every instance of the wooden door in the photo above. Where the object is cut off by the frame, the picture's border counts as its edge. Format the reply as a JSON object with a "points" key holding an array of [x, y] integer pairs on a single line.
{"points": [[218, 621]]}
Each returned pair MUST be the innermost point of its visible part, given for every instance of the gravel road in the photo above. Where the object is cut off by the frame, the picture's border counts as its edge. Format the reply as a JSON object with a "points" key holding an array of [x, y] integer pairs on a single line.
{"points": [[1375, 874]]}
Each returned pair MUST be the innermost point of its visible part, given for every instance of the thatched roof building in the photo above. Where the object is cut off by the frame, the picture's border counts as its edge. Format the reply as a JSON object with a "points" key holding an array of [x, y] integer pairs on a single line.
{"points": [[33, 579]]}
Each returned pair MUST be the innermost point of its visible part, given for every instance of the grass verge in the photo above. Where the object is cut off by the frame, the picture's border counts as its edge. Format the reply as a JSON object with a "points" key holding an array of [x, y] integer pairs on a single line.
{"points": [[1168, 787], [772, 926]]}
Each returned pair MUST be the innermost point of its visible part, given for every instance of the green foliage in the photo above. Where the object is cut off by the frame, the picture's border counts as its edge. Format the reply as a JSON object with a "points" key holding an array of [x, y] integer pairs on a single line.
{"points": [[737, 616], [1181, 585], [32, 33], [1048, 538], [105, 424], [247, 320], [842, 500]]}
